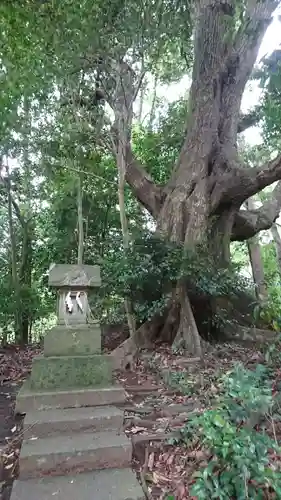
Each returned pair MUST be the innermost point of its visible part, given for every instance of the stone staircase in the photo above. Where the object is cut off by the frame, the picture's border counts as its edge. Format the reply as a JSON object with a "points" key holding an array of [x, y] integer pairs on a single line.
{"points": [[74, 445], [64, 437]]}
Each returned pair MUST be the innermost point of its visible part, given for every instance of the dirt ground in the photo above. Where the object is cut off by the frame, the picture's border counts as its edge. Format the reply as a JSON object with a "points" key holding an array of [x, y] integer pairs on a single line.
{"points": [[154, 411]]}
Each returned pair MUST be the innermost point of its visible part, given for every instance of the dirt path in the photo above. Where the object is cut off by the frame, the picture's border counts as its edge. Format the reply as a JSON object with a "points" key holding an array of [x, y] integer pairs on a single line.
{"points": [[10, 429]]}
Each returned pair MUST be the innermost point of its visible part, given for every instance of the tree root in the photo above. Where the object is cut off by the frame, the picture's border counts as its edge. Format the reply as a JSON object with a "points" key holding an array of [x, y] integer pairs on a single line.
{"points": [[187, 335], [175, 325], [123, 356]]}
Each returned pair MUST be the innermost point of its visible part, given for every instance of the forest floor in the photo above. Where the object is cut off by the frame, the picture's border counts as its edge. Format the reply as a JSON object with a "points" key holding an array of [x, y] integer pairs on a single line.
{"points": [[155, 411]]}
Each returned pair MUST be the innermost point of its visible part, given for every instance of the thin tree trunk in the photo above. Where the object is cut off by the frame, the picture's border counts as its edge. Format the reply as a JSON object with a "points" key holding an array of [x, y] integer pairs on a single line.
{"points": [[123, 121], [124, 224], [277, 241], [142, 95], [256, 261], [25, 276], [15, 278], [80, 220], [104, 231], [27, 229], [153, 104]]}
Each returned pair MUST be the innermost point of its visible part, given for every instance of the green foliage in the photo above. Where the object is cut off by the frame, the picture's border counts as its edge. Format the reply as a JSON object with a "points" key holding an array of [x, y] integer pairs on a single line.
{"points": [[271, 83], [49, 51], [239, 465], [158, 149], [178, 381], [147, 271]]}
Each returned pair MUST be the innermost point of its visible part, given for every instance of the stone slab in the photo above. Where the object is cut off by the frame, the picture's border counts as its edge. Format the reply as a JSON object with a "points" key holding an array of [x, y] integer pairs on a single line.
{"points": [[73, 340], [28, 400], [99, 485], [57, 422], [79, 452], [70, 371], [74, 276]]}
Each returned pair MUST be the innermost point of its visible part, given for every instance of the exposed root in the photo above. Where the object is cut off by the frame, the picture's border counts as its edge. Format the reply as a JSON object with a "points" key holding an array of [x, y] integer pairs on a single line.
{"points": [[187, 335], [123, 356], [169, 330], [175, 325]]}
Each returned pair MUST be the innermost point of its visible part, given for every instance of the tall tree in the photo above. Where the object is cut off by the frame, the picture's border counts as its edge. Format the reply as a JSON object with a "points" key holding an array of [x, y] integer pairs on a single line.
{"points": [[201, 201], [200, 204]]}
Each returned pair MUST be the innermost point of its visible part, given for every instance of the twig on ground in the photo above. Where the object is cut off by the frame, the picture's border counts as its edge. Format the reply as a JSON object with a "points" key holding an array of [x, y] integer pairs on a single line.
{"points": [[143, 471]]}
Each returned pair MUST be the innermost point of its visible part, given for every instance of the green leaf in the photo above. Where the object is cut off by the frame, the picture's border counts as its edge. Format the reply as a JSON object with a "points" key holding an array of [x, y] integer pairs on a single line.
{"points": [[219, 421]]}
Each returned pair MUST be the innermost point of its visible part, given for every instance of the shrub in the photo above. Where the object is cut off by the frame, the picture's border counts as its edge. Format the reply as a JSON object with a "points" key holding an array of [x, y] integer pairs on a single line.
{"points": [[239, 465]]}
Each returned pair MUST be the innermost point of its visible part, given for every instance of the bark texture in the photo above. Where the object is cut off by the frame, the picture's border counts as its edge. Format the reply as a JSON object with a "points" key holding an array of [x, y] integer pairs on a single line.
{"points": [[202, 200], [255, 256], [123, 124], [277, 241], [80, 220]]}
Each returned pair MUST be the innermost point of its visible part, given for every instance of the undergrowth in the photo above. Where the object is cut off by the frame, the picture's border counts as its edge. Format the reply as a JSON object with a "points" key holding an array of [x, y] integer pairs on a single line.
{"points": [[243, 460]]}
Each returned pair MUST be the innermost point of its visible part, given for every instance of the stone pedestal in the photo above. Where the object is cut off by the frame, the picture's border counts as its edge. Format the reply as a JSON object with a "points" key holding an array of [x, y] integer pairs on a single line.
{"points": [[70, 392]]}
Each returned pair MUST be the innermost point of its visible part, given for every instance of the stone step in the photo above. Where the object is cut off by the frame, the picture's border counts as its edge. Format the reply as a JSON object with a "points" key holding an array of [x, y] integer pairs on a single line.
{"points": [[99, 485], [56, 422], [28, 400], [71, 454]]}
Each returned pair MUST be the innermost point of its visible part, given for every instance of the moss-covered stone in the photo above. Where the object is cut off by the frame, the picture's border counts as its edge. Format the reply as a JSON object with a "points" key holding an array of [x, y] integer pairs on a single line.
{"points": [[70, 371], [73, 340]]}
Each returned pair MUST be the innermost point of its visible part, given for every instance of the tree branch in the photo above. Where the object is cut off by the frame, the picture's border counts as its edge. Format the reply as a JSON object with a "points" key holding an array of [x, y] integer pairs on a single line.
{"points": [[121, 101], [240, 184], [4, 181], [250, 222], [249, 119], [240, 62], [147, 192]]}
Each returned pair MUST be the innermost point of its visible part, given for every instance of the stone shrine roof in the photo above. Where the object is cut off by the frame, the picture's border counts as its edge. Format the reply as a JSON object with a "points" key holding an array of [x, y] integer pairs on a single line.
{"points": [[75, 276]]}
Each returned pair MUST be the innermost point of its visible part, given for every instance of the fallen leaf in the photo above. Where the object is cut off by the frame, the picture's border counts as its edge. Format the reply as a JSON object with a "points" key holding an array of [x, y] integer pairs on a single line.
{"points": [[148, 477], [199, 454], [136, 429], [151, 461], [158, 478], [9, 466]]}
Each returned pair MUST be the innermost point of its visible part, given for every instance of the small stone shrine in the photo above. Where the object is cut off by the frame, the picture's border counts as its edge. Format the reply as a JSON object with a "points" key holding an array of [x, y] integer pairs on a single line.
{"points": [[72, 349], [73, 422]]}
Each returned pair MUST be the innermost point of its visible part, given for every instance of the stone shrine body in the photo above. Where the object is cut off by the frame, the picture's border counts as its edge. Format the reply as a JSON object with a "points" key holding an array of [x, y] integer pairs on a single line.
{"points": [[73, 284]]}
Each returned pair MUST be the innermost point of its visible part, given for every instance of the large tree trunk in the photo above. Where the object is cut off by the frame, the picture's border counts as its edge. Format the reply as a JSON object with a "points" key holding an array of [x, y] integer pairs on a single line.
{"points": [[200, 204], [189, 214]]}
